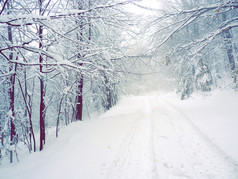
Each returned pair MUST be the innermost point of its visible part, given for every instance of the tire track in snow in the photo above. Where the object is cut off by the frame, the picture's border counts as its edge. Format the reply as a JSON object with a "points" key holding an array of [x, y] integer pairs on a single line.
{"points": [[125, 149], [203, 152], [162, 143], [170, 159], [205, 137], [135, 158], [152, 127]]}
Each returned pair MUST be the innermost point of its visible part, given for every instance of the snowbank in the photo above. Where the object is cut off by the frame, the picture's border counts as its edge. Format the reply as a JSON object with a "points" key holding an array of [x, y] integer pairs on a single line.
{"points": [[95, 148]]}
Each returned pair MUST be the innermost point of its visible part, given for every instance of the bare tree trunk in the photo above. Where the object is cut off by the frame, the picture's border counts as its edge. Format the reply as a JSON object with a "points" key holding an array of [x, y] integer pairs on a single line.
{"points": [[1, 138], [79, 80], [108, 93], [11, 90], [24, 95], [42, 90], [26, 109], [42, 94], [228, 43], [79, 97], [29, 111], [12, 109], [32, 135], [58, 117]]}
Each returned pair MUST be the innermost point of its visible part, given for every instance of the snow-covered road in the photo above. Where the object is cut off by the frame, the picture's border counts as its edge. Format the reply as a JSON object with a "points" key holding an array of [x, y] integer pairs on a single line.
{"points": [[164, 143], [143, 137]]}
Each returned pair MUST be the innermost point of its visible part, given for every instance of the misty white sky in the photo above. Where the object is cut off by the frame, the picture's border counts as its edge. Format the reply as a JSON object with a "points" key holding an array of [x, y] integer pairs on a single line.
{"points": [[153, 4]]}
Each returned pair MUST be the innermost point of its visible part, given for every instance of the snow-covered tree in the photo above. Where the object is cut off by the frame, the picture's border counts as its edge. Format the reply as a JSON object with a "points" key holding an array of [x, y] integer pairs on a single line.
{"points": [[189, 34], [52, 55]]}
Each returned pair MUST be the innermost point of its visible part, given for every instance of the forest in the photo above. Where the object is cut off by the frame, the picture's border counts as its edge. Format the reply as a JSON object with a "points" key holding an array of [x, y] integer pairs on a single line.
{"points": [[63, 61]]}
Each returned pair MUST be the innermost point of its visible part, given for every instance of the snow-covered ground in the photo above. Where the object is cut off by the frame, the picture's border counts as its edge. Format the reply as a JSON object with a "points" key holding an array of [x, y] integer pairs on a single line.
{"points": [[143, 137]]}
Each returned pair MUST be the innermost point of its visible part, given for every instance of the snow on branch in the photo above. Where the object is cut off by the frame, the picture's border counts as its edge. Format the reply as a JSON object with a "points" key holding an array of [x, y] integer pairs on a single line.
{"points": [[217, 7], [228, 4], [205, 41], [193, 15], [186, 22], [30, 19]]}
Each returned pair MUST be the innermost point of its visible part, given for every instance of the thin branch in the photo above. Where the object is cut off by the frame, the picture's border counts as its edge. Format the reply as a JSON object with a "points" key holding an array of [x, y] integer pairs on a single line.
{"points": [[188, 21], [4, 5], [71, 13]]}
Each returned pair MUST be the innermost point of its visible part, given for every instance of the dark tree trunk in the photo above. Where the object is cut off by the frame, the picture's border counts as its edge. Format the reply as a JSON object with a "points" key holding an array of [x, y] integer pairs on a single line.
{"points": [[12, 67], [111, 96], [79, 80], [108, 93], [79, 98], [228, 43], [229, 49], [42, 90], [12, 109], [29, 111], [42, 94], [42, 115]]}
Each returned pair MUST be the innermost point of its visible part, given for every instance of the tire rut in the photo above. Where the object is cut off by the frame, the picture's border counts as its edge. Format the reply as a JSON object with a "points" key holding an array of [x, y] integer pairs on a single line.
{"points": [[202, 152]]}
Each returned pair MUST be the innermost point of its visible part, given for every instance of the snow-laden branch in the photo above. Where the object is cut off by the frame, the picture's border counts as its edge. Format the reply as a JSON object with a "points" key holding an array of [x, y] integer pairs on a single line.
{"points": [[210, 38], [7, 74], [60, 61], [194, 14], [186, 22], [30, 49], [30, 19], [205, 41], [229, 4]]}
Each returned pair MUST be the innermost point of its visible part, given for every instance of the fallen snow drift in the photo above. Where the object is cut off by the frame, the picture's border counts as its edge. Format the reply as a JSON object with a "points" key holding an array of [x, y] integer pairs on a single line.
{"points": [[151, 136]]}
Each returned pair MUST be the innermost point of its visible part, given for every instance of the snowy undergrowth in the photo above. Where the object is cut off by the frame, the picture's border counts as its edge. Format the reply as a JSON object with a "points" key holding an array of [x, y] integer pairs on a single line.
{"points": [[150, 136]]}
